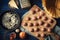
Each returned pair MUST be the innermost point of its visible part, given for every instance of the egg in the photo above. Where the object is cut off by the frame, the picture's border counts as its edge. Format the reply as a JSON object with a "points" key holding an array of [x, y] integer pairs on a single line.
{"points": [[22, 35], [17, 30]]}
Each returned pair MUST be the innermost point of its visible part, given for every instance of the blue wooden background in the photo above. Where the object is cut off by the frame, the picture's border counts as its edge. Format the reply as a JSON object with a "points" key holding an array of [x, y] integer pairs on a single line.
{"points": [[4, 35]]}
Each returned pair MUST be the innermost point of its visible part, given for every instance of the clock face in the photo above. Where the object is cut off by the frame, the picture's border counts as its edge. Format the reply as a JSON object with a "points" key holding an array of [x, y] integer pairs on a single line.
{"points": [[10, 20]]}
